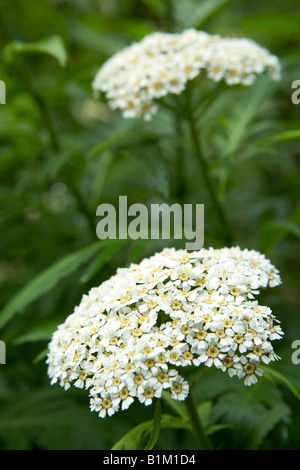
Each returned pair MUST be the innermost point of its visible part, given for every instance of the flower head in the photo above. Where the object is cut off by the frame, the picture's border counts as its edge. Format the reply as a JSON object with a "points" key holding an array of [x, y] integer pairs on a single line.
{"points": [[162, 63], [127, 338]]}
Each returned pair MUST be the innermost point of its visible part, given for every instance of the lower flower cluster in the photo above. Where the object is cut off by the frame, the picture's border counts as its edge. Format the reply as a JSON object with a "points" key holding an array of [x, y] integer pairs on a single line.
{"points": [[130, 337]]}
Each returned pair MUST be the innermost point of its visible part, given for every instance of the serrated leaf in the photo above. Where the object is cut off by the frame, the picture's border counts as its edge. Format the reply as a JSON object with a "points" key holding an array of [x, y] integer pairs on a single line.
{"points": [[52, 45]]}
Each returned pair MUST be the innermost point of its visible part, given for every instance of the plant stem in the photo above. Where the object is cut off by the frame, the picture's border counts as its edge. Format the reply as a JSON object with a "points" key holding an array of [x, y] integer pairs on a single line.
{"points": [[196, 424], [169, 16], [205, 173], [180, 188], [156, 426]]}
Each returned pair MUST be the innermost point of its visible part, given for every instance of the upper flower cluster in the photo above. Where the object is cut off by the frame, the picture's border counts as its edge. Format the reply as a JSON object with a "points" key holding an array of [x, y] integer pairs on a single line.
{"points": [[163, 63], [128, 337]]}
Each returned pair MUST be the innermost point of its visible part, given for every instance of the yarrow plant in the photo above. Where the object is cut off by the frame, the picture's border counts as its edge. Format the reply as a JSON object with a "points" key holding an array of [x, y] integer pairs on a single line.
{"points": [[130, 338], [163, 63], [136, 337]]}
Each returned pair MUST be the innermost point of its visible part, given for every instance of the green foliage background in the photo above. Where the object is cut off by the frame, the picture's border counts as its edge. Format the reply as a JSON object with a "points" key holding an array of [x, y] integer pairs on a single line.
{"points": [[63, 153]]}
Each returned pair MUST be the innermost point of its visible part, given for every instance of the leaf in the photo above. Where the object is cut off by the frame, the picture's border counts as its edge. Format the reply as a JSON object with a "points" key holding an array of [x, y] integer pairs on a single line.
{"points": [[268, 422], [271, 374], [132, 439], [41, 356], [52, 45], [155, 426], [207, 9], [100, 39], [47, 279], [123, 140], [51, 419], [274, 232], [195, 14], [175, 405], [293, 134], [204, 410], [39, 334], [100, 260], [246, 113], [217, 427], [100, 176]]}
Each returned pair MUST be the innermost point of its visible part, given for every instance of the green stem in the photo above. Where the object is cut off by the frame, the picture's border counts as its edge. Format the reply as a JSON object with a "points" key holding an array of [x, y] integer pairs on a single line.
{"points": [[180, 188], [156, 426], [196, 424], [206, 175], [43, 108], [169, 16]]}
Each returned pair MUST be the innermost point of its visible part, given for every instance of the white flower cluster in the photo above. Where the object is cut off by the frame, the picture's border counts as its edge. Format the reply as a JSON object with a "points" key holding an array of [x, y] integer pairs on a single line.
{"points": [[129, 338], [163, 63]]}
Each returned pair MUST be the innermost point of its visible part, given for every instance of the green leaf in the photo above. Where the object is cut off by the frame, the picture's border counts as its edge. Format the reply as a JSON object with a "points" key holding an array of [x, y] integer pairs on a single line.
{"points": [[217, 427], [207, 9], [272, 374], [38, 334], [52, 45], [204, 410], [123, 140], [46, 280], [194, 14], [40, 356], [100, 261], [101, 172], [155, 426], [246, 112], [175, 405], [293, 134], [133, 438], [268, 422], [274, 232], [44, 413]]}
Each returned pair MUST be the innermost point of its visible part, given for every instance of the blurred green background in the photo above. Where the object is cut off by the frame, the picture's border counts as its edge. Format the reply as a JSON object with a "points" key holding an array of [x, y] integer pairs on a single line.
{"points": [[63, 152]]}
